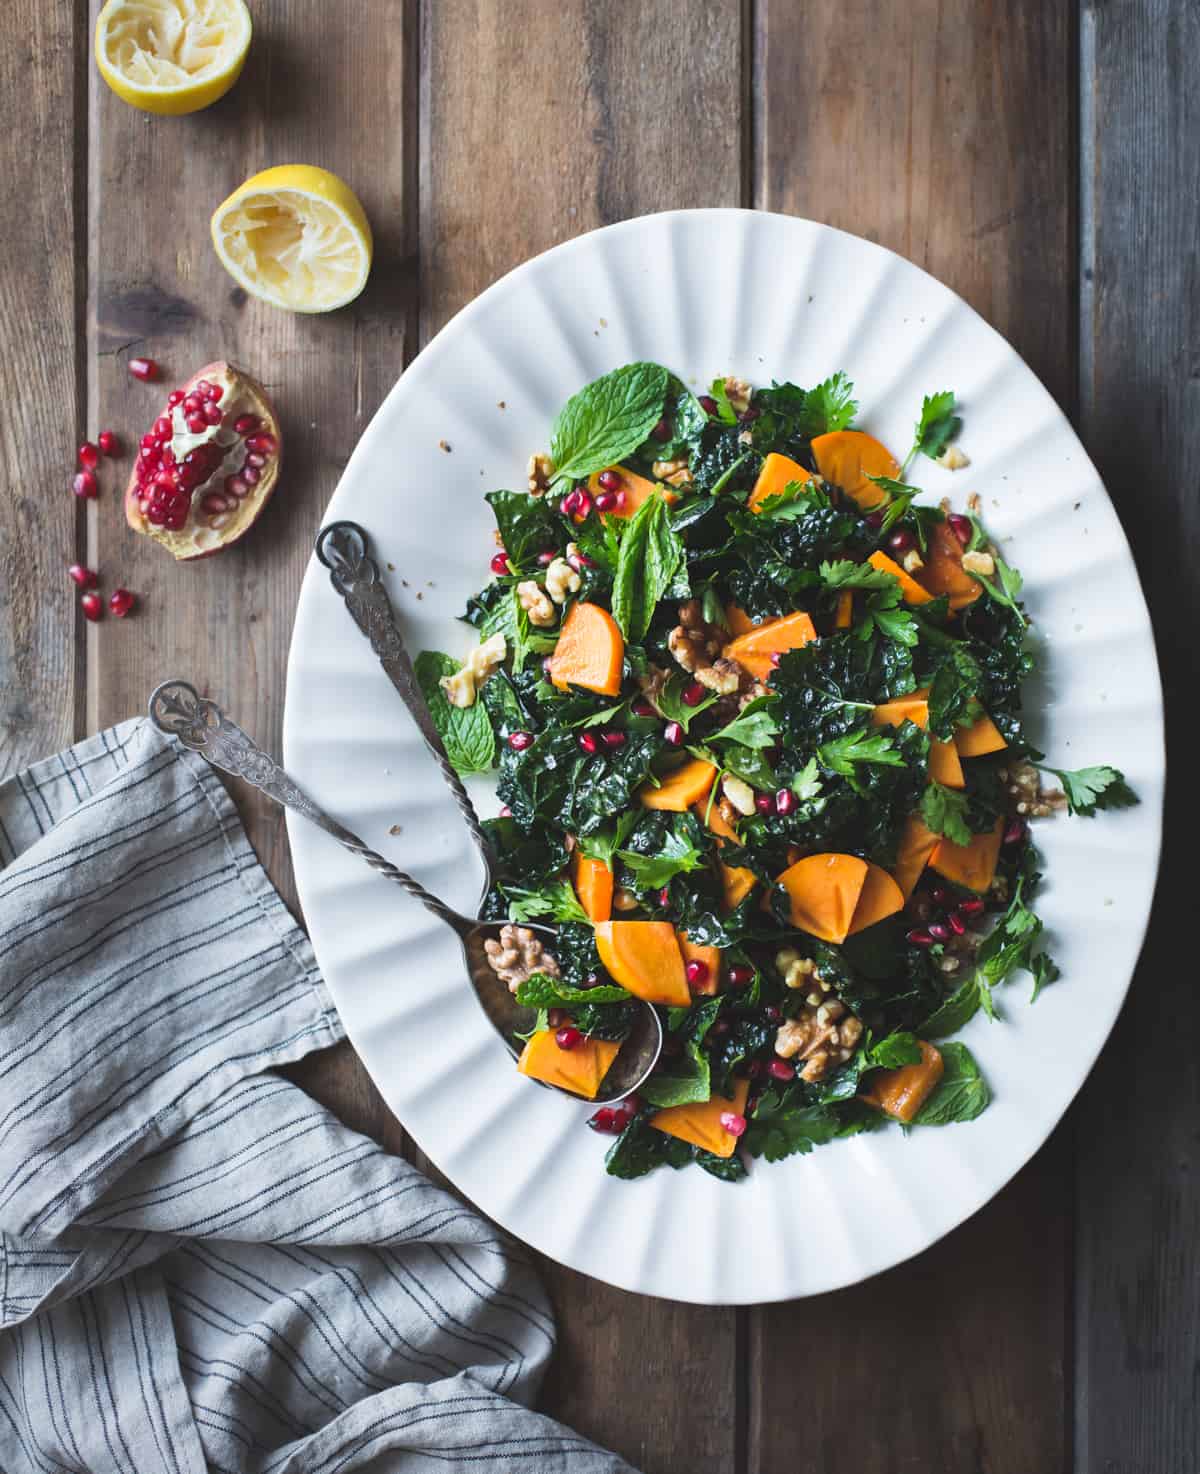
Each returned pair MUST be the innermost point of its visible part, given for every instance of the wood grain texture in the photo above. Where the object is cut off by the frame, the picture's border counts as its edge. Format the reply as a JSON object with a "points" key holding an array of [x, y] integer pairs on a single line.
{"points": [[315, 89], [540, 122], [1138, 1294], [41, 528], [952, 147]]}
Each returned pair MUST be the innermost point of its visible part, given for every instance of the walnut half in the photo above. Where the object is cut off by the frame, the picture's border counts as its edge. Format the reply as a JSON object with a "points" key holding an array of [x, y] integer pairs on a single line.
{"points": [[518, 955], [823, 1035]]}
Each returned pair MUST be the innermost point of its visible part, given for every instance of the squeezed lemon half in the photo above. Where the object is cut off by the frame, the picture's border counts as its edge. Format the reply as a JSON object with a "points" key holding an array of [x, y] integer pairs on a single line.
{"points": [[297, 237], [172, 56]]}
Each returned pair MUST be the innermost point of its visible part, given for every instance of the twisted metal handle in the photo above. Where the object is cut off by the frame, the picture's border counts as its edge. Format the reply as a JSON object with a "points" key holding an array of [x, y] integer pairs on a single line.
{"points": [[177, 709], [344, 549]]}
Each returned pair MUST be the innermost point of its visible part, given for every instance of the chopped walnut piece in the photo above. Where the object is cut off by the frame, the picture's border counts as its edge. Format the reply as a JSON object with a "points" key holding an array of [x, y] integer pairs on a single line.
{"points": [[979, 562], [912, 562], [953, 459], [738, 393], [518, 955], [1024, 784], [823, 1036], [739, 793], [561, 580], [801, 973], [540, 471], [462, 687], [536, 604], [674, 473]]}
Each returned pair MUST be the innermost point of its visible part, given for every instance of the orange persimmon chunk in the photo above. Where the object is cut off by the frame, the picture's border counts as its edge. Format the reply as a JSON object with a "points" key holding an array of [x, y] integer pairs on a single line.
{"points": [[590, 651], [848, 457], [879, 898], [944, 765], [970, 865], [738, 621], [943, 570], [823, 891], [710, 957], [902, 1092], [644, 957], [679, 789], [736, 882], [979, 739], [593, 882], [711, 815], [943, 757], [845, 610], [700, 1123], [634, 490], [777, 471], [753, 650], [580, 1070], [910, 589], [916, 845]]}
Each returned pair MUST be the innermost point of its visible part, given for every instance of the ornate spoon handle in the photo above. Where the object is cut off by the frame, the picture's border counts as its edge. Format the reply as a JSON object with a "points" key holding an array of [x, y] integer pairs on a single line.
{"points": [[343, 547], [179, 710]]}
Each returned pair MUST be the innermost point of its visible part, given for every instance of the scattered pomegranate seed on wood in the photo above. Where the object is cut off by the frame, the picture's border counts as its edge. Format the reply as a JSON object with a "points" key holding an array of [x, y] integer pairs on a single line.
{"points": [[109, 442], [85, 577], [85, 485], [145, 369], [89, 455], [121, 601], [92, 606]]}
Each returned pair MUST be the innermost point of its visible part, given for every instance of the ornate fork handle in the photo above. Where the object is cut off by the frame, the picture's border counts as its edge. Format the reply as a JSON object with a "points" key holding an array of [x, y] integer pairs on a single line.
{"points": [[343, 548], [179, 710]]}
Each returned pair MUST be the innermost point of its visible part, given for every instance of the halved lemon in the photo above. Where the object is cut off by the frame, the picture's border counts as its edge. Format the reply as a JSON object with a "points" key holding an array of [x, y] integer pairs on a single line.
{"points": [[172, 56], [297, 237]]}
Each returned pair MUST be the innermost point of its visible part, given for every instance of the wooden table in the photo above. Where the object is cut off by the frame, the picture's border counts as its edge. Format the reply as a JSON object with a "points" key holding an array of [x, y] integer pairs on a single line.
{"points": [[1040, 157]]}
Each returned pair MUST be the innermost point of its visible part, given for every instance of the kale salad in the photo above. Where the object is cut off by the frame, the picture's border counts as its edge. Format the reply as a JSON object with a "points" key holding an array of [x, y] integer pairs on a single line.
{"points": [[756, 715]]}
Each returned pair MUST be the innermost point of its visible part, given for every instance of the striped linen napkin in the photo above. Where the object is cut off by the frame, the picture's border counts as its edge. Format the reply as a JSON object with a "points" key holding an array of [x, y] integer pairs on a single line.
{"points": [[200, 1267]]}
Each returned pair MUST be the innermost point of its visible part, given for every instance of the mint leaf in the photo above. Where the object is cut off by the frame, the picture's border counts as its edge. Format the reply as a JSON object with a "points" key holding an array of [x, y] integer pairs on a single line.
{"points": [[466, 731], [960, 1095], [955, 1013], [830, 406], [891, 1051], [687, 1080], [556, 900], [1091, 789], [863, 746], [607, 420], [944, 810], [543, 991], [937, 426], [649, 557]]}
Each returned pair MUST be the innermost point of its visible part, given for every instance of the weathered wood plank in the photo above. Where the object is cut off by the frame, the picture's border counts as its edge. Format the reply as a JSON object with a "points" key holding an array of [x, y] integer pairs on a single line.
{"points": [[1138, 1194], [319, 89], [542, 121], [953, 147], [46, 410]]}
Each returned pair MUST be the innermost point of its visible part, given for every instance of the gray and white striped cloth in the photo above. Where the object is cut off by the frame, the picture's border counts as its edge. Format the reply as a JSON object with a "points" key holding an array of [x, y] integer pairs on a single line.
{"points": [[200, 1267]]}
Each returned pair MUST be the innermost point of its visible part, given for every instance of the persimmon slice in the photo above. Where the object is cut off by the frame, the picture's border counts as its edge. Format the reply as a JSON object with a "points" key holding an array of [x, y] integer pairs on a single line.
{"points": [[753, 650], [823, 891], [902, 1092], [590, 652], [700, 1123], [848, 457], [580, 1070], [644, 957]]}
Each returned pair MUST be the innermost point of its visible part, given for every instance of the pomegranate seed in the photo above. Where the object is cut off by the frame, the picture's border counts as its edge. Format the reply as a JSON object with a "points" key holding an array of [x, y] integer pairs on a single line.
{"points": [[708, 404], [215, 393], [143, 368], [505, 811], [212, 413], [739, 975], [121, 601], [961, 527], [748, 416], [605, 501], [499, 563], [216, 502], [175, 397], [85, 577], [779, 1069], [557, 1017], [109, 442], [89, 456], [545, 559], [588, 743], [956, 924], [196, 424], [673, 733], [613, 739], [246, 424], [519, 741], [607, 1121], [692, 694], [732, 1122], [939, 895], [235, 486], [609, 481], [584, 506], [548, 667], [191, 403], [643, 709], [85, 485], [918, 938], [149, 441], [163, 429], [696, 974], [565, 505], [874, 520], [202, 387], [773, 1013], [938, 932], [775, 658], [92, 606], [662, 431], [630, 1106], [664, 897], [568, 1037], [265, 444], [785, 801], [1014, 830], [902, 541], [764, 803], [579, 561], [970, 908], [250, 474]]}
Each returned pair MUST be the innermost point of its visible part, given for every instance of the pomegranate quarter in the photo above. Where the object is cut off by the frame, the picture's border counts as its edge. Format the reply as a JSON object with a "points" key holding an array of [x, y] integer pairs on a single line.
{"points": [[207, 466]]}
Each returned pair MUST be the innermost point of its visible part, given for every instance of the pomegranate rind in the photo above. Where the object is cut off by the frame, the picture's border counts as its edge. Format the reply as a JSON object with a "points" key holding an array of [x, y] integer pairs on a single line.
{"points": [[181, 544]]}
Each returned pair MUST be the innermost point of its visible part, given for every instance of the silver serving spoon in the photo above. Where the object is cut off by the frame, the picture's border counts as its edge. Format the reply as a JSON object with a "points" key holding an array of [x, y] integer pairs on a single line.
{"points": [[177, 709]]}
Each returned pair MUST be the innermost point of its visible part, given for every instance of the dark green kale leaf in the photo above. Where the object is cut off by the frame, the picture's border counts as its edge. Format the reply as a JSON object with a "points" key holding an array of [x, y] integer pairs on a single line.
{"points": [[527, 527], [784, 1124], [747, 1037], [718, 454], [531, 856], [954, 693], [640, 1149], [604, 785]]}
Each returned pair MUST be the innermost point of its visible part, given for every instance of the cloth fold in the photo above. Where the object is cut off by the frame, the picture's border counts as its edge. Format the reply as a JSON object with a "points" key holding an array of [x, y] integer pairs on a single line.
{"points": [[200, 1267]]}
